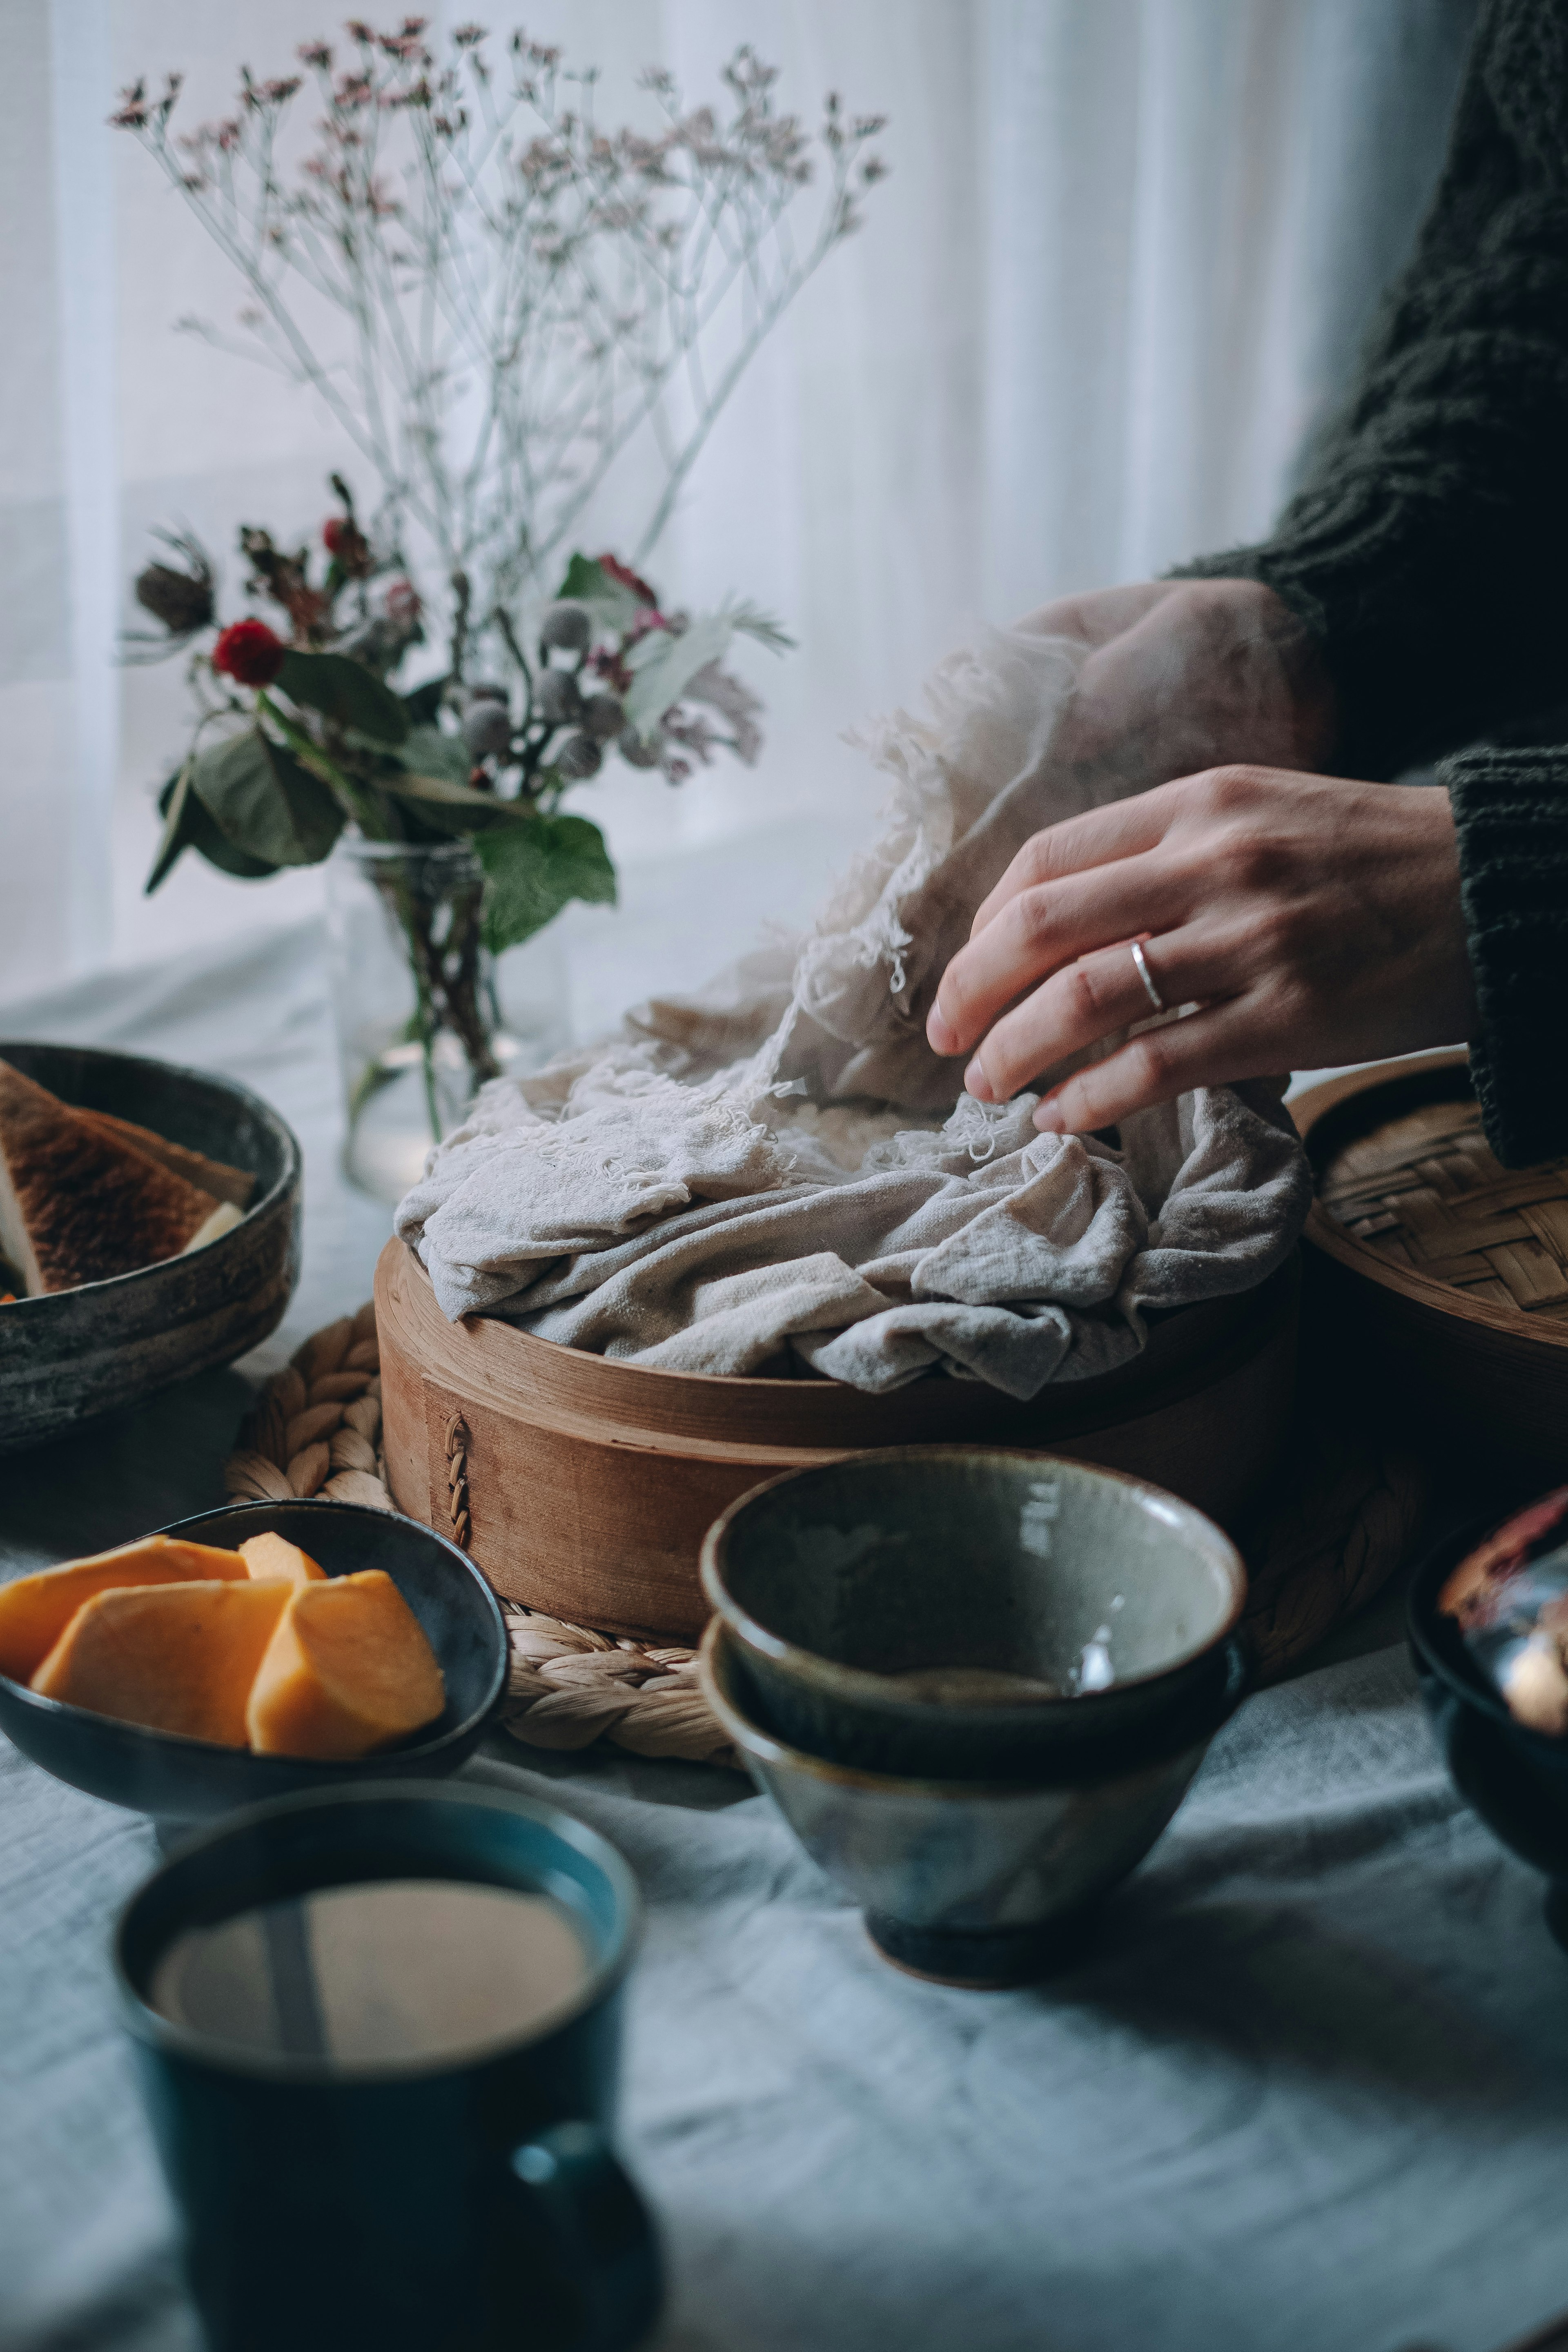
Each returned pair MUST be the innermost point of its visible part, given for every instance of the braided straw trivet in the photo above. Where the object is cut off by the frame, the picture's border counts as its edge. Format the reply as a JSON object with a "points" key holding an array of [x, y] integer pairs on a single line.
{"points": [[1424, 1193], [1342, 1520]]}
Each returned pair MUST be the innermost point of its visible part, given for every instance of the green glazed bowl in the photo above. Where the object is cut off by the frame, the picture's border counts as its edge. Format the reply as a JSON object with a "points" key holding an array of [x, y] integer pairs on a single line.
{"points": [[967, 1881], [970, 1615]]}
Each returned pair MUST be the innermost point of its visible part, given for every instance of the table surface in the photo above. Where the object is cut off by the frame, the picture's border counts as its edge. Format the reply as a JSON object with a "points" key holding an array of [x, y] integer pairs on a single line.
{"points": [[1310, 2092]]}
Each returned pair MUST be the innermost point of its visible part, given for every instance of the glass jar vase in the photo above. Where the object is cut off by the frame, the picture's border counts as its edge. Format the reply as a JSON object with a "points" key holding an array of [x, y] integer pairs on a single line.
{"points": [[415, 1002]]}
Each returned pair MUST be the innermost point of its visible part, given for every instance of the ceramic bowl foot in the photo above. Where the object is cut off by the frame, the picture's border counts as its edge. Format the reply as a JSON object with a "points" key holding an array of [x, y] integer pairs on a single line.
{"points": [[985, 1959]]}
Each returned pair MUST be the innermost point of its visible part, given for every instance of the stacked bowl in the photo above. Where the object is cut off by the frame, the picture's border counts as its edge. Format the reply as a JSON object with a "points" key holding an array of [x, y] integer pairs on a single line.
{"points": [[977, 1684]]}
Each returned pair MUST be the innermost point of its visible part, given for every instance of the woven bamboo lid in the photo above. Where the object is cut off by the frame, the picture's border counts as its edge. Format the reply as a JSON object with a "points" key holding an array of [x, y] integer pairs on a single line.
{"points": [[1451, 1269]]}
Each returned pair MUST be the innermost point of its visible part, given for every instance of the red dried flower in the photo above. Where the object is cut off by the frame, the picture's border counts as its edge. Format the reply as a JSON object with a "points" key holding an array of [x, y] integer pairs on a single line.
{"points": [[348, 546], [627, 578], [249, 652]]}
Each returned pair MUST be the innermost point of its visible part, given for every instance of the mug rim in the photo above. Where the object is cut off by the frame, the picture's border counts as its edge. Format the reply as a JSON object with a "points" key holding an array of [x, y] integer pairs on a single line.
{"points": [[162, 2034]]}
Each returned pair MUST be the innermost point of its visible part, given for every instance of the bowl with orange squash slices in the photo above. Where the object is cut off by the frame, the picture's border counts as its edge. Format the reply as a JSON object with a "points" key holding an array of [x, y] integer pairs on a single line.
{"points": [[251, 1652]]}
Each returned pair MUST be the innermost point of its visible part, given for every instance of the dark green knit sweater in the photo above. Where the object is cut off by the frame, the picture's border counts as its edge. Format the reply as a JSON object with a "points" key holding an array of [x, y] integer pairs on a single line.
{"points": [[1429, 551]]}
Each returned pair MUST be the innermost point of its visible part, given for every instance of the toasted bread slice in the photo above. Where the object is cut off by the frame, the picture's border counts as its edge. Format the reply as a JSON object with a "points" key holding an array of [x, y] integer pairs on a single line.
{"points": [[223, 1220], [77, 1205], [213, 1176]]}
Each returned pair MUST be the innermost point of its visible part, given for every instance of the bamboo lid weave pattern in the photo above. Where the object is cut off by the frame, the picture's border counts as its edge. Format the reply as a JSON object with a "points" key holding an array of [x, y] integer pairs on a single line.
{"points": [[1342, 1519], [1424, 1193]]}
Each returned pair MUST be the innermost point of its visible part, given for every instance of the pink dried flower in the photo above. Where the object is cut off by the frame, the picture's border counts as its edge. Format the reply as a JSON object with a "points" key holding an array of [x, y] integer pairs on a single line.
{"points": [[400, 599], [723, 691]]}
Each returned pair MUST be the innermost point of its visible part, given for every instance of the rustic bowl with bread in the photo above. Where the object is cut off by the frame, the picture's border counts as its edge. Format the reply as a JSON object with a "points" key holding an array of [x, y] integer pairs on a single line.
{"points": [[149, 1229], [200, 1626]]}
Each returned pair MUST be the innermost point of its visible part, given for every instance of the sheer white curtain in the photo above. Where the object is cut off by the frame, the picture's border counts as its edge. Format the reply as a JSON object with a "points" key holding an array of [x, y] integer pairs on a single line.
{"points": [[1122, 263]]}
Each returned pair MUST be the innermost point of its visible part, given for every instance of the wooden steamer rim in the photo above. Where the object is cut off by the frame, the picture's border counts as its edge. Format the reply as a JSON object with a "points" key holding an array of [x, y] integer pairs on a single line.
{"points": [[584, 1486], [1433, 1302]]}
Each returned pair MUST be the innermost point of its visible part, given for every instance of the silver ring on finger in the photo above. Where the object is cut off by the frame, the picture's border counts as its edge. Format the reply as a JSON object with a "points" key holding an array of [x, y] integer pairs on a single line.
{"points": [[1149, 987]]}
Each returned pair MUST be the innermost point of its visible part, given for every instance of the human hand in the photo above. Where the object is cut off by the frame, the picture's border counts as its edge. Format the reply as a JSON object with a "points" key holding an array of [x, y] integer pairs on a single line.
{"points": [[1182, 674], [1311, 920], [1171, 677]]}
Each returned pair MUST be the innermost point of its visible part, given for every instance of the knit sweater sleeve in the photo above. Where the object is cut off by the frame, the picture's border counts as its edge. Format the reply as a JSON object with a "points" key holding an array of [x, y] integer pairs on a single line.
{"points": [[1427, 550], [1512, 811]]}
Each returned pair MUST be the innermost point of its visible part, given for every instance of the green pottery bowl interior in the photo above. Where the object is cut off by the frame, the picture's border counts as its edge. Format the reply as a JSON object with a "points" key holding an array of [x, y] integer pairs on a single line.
{"points": [[866, 1594]]}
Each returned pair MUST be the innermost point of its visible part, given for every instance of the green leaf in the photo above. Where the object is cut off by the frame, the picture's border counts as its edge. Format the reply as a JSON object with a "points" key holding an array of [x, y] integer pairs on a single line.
{"points": [[749, 620], [612, 605], [172, 802], [456, 808], [663, 665], [534, 869], [263, 802], [428, 753], [188, 825], [345, 691]]}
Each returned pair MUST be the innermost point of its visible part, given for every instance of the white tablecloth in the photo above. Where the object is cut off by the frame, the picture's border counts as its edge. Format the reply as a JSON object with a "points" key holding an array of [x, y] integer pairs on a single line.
{"points": [[1308, 2094]]}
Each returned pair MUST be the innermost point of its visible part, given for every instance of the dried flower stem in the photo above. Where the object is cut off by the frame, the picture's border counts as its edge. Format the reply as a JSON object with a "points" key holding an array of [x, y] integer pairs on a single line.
{"points": [[523, 292]]}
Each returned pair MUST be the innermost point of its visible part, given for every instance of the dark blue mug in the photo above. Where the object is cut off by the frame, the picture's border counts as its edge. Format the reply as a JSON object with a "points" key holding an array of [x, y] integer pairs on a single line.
{"points": [[451, 2203]]}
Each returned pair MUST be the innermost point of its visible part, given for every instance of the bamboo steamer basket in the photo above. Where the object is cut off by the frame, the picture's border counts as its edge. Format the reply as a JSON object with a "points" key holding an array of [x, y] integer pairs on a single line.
{"points": [[1438, 1279], [583, 1486]]}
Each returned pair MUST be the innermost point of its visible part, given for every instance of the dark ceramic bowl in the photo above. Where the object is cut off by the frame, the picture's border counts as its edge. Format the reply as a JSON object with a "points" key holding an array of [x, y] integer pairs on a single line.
{"points": [[839, 1584], [76, 1354], [1515, 1779], [969, 1883], [180, 1779]]}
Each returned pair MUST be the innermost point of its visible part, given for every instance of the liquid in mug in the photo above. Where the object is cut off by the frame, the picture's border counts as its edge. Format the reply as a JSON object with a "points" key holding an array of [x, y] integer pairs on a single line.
{"points": [[394, 1971]]}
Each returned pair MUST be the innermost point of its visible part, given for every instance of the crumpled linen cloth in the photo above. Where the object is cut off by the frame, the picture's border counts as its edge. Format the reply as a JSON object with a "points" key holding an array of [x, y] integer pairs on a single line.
{"points": [[777, 1174]]}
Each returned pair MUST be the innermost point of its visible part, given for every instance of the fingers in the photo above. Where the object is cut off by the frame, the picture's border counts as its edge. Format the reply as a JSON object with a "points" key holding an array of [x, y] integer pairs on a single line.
{"points": [[1214, 1047], [1102, 836], [1090, 1000], [1041, 932]]}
